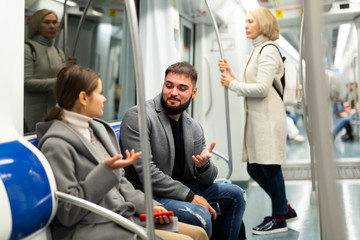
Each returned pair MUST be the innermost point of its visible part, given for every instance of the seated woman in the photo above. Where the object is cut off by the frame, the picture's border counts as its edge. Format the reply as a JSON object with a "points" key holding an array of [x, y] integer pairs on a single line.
{"points": [[348, 114], [293, 133], [85, 157]]}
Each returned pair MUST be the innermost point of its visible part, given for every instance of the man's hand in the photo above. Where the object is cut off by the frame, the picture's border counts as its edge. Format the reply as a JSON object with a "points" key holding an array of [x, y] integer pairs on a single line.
{"points": [[199, 200], [203, 158]]}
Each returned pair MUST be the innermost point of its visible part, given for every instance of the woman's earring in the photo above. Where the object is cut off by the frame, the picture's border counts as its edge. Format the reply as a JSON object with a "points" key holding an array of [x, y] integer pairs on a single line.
{"points": [[85, 107]]}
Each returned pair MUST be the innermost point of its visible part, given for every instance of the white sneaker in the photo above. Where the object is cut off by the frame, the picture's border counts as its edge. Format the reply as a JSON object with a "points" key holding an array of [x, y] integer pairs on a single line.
{"points": [[298, 139]]}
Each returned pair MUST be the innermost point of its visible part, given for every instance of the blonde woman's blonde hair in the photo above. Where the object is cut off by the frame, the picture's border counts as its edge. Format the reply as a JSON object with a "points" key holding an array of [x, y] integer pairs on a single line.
{"points": [[268, 25], [35, 22]]}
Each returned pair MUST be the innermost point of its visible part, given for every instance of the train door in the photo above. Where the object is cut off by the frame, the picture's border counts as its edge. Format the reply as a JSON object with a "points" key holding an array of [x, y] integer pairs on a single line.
{"points": [[209, 105]]}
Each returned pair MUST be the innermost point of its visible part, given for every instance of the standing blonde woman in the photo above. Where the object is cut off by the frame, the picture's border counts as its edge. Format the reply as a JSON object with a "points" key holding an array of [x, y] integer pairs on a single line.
{"points": [[264, 147], [42, 62]]}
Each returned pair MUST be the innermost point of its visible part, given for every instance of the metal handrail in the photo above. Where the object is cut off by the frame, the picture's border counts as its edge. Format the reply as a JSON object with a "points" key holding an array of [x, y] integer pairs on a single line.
{"points": [[227, 112], [80, 26], [224, 158], [104, 212], [65, 22], [140, 94], [207, 111], [305, 113], [299, 92]]}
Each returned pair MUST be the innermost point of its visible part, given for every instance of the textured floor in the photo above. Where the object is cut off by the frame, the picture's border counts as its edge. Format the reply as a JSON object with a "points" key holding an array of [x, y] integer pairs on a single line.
{"points": [[299, 195], [344, 170]]}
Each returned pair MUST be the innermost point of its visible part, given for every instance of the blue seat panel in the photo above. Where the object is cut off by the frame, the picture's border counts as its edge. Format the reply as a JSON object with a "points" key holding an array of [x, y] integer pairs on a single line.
{"points": [[115, 126], [27, 187]]}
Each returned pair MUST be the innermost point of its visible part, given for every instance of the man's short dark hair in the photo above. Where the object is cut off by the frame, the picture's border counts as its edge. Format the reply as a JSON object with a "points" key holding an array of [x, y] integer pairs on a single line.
{"points": [[183, 68]]}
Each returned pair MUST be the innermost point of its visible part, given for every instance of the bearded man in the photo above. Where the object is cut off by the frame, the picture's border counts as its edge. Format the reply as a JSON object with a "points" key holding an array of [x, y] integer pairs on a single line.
{"points": [[181, 171]]}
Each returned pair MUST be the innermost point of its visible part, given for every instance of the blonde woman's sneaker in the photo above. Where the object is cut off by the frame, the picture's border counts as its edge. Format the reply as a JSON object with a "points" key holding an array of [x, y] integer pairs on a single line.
{"points": [[269, 226], [291, 216]]}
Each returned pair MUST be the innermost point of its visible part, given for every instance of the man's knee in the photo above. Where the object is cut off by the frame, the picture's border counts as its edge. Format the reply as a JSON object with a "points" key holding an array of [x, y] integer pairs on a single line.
{"points": [[236, 194], [196, 215], [234, 191], [189, 213], [241, 193]]}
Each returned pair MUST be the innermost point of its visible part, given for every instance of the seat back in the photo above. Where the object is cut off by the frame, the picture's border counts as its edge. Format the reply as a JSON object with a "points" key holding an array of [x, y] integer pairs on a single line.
{"points": [[116, 126], [28, 187]]}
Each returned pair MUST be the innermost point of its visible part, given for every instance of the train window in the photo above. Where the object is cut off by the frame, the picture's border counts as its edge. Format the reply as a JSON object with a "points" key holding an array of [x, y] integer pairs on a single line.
{"points": [[186, 33], [103, 44]]}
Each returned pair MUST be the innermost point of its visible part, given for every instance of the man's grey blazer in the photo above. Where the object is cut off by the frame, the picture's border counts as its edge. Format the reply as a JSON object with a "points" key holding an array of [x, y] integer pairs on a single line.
{"points": [[162, 151]]}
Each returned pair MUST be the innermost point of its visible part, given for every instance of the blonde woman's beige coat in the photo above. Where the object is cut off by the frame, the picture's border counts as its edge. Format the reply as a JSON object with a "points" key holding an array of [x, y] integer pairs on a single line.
{"points": [[265, 117]]}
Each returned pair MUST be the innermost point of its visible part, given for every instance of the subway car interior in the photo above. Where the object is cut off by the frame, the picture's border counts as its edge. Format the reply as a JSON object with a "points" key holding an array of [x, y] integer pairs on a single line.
{"points": [[131, 43]]}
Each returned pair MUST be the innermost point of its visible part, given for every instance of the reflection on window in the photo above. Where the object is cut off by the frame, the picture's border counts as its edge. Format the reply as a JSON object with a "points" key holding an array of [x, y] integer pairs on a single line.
{"points": [[186, 44], [104, 45]]}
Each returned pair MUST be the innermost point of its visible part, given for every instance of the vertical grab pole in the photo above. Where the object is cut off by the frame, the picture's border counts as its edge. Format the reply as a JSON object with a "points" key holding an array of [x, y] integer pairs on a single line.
{"points": [[140, 92], [331, 218], [88, 4], [301, 56], [313, 198], [227, 112], [65, 22]]}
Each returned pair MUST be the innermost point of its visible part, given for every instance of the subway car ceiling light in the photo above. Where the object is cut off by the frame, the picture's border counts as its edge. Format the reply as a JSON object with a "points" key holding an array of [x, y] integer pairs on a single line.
{"points": [[69, 3]]}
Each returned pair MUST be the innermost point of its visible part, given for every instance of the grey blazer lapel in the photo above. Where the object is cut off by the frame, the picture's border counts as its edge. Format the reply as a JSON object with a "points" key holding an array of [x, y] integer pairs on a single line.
{"points": [[165, 122], [103, 132]]}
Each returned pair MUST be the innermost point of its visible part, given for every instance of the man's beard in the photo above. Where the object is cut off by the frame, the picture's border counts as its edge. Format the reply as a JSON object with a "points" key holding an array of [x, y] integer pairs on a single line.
{"points": [[170, 110]]}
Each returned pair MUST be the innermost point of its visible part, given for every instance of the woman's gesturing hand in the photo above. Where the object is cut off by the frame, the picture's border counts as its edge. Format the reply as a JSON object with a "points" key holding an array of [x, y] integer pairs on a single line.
{"points": [[117, 161]]}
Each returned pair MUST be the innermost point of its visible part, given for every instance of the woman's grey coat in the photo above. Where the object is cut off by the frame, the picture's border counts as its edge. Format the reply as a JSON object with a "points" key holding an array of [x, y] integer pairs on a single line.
{"points": [[79, 171], [39, 79]]}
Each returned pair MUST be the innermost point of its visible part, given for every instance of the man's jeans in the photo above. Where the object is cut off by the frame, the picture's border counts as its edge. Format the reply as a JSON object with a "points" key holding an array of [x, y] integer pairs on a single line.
{"points": [[231, 199]]}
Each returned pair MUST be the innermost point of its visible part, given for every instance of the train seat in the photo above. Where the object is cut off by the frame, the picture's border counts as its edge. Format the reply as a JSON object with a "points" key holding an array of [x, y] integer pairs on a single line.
{"points": [[27, 187], [28, 196], [116, 126]]}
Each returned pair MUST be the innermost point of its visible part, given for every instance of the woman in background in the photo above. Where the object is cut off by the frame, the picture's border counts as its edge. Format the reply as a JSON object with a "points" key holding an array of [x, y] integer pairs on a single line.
{"points": [[84, 154], [42, 63], [264, 147]]}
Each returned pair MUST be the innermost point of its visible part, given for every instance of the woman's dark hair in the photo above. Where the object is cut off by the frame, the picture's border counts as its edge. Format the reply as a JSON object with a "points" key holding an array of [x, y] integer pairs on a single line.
{"points": [[70, 82]]}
